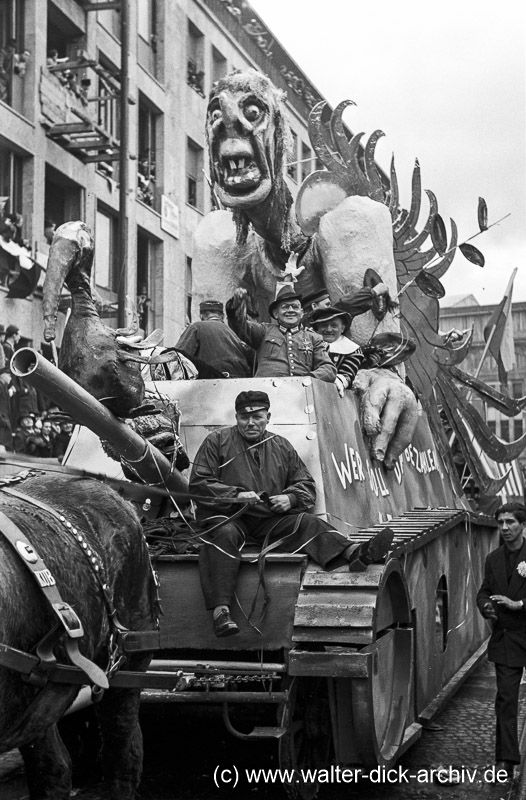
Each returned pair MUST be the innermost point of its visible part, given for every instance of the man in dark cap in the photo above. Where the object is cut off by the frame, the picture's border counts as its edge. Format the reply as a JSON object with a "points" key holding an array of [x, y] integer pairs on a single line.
{"points": [[212, 342], [12, 337], [263, 471], [312, 302], [284, 347]]}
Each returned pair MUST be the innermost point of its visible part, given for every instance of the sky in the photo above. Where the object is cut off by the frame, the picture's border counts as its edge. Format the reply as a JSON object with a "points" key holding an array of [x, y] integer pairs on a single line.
{"points": [[446, 83]]}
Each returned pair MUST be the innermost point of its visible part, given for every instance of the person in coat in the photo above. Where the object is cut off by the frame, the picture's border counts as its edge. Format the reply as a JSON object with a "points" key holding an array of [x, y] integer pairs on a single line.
{"points": [[284, 347], [264, 471], [212, 342], [502, 599]]}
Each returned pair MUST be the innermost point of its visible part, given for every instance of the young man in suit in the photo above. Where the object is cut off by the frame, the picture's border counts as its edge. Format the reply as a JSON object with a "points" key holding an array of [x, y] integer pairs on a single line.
{"points": [[502, 599]]}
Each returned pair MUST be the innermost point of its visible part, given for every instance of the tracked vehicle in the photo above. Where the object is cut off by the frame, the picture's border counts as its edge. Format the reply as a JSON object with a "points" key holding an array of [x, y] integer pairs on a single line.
{"points": [[342, 668]]}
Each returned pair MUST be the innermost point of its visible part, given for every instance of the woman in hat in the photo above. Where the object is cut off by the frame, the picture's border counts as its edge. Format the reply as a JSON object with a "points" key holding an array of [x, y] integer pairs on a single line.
{"points": [[346, 355]]}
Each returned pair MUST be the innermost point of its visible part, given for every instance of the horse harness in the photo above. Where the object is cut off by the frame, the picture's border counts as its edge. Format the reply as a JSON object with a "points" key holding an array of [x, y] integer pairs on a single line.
{"points": [[42, 667]]}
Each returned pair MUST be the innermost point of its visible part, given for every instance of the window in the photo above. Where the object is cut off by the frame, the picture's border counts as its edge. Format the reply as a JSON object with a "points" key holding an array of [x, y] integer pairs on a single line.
{"points": [[292, 168], [13, 55], [517, 428], [147, 39], [62, 201], [219, 65], [108, 116], [146, 167], [10, 181], [108, 91], [194, 175], [505, 430], [106, 251], [306, 161], [145, 311], [188, 289], [195, 76], [11, 220]]}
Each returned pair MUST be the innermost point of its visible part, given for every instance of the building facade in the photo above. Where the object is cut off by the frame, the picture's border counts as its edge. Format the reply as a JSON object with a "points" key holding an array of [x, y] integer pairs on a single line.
{"points": [[60, 151], [463, 313]]}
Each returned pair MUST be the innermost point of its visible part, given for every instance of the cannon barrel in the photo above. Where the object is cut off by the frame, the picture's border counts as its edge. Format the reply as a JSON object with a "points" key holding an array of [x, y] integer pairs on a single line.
{"points": [[149, 463]]}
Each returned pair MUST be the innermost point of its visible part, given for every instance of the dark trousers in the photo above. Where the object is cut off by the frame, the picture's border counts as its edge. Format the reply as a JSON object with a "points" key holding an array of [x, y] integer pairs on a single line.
{"points": [[506, 710], [220, 555]]}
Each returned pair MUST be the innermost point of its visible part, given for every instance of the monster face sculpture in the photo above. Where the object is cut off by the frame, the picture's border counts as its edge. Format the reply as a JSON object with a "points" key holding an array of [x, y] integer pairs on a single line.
{"points": [[246, 135]]}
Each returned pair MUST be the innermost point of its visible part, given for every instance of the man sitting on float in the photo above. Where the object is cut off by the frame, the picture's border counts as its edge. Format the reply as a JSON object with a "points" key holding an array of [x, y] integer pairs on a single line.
{"points": [[264, 471]]}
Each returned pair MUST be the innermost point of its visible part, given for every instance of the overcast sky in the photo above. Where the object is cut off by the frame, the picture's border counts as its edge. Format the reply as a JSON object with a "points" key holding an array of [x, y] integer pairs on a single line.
{"points": [[446, 83]]}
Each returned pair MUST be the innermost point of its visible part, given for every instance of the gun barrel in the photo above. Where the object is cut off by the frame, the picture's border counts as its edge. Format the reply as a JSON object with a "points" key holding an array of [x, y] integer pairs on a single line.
{"points": [[149, 463]]}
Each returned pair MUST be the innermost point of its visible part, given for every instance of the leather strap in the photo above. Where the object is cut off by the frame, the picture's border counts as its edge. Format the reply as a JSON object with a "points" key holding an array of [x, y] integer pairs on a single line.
{"points": [[92, 559], [66, 616]]}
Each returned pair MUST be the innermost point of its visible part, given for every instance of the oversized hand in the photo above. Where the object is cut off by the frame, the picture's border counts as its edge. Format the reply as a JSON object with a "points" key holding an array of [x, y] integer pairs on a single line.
{"points": [[389, 413]]}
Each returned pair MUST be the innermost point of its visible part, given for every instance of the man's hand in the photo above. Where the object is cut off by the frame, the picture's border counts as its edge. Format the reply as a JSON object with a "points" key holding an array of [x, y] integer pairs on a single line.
{"points": [[249, 497], [236, 306], [340, 385], [280, 503], [488, 612], [511, 605]]}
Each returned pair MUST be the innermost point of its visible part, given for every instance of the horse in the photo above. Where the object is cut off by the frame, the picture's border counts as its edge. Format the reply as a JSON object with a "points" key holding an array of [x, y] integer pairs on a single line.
{"points": [[72, 524]]}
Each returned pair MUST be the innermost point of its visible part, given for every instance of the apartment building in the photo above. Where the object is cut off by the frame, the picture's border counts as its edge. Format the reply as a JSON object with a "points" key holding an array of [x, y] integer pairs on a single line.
{"points": [[61, 105]]}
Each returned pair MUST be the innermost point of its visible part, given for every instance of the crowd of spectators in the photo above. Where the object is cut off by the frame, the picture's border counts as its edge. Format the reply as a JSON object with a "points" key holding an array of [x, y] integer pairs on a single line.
{"points": [[29, 424]]}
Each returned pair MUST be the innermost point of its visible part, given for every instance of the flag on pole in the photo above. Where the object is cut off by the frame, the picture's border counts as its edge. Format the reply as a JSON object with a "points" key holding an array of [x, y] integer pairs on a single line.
{"points": [[499, 333]]}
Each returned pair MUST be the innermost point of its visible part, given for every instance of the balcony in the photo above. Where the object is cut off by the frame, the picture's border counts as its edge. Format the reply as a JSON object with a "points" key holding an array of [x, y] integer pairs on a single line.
{"points": [[66, 109]]}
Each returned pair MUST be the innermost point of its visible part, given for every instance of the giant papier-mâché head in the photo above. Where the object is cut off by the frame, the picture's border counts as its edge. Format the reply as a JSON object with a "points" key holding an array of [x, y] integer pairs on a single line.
{"points": [[247, 137]]}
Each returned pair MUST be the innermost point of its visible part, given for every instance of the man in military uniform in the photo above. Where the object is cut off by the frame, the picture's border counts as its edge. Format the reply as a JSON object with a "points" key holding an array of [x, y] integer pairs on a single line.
{"points": [[284, 347], [502, 599], [264, 471]]}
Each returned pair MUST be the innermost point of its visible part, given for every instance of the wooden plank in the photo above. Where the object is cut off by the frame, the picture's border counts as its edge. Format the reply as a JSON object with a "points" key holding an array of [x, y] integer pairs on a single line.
{"points": [[334, 665], [339, 596], [69, 127], [102, 157], [327, 615], [246, 557], [87, 144], [70, 65], [357, 636], [369, 577]]}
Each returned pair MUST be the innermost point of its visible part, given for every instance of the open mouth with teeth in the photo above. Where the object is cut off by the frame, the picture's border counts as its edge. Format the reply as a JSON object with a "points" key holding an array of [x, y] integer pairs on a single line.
{"points": [[239, 174]]}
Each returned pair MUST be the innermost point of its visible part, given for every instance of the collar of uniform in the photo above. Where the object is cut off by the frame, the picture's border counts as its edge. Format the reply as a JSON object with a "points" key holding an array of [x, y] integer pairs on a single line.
{"points": [[283, 329]]}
